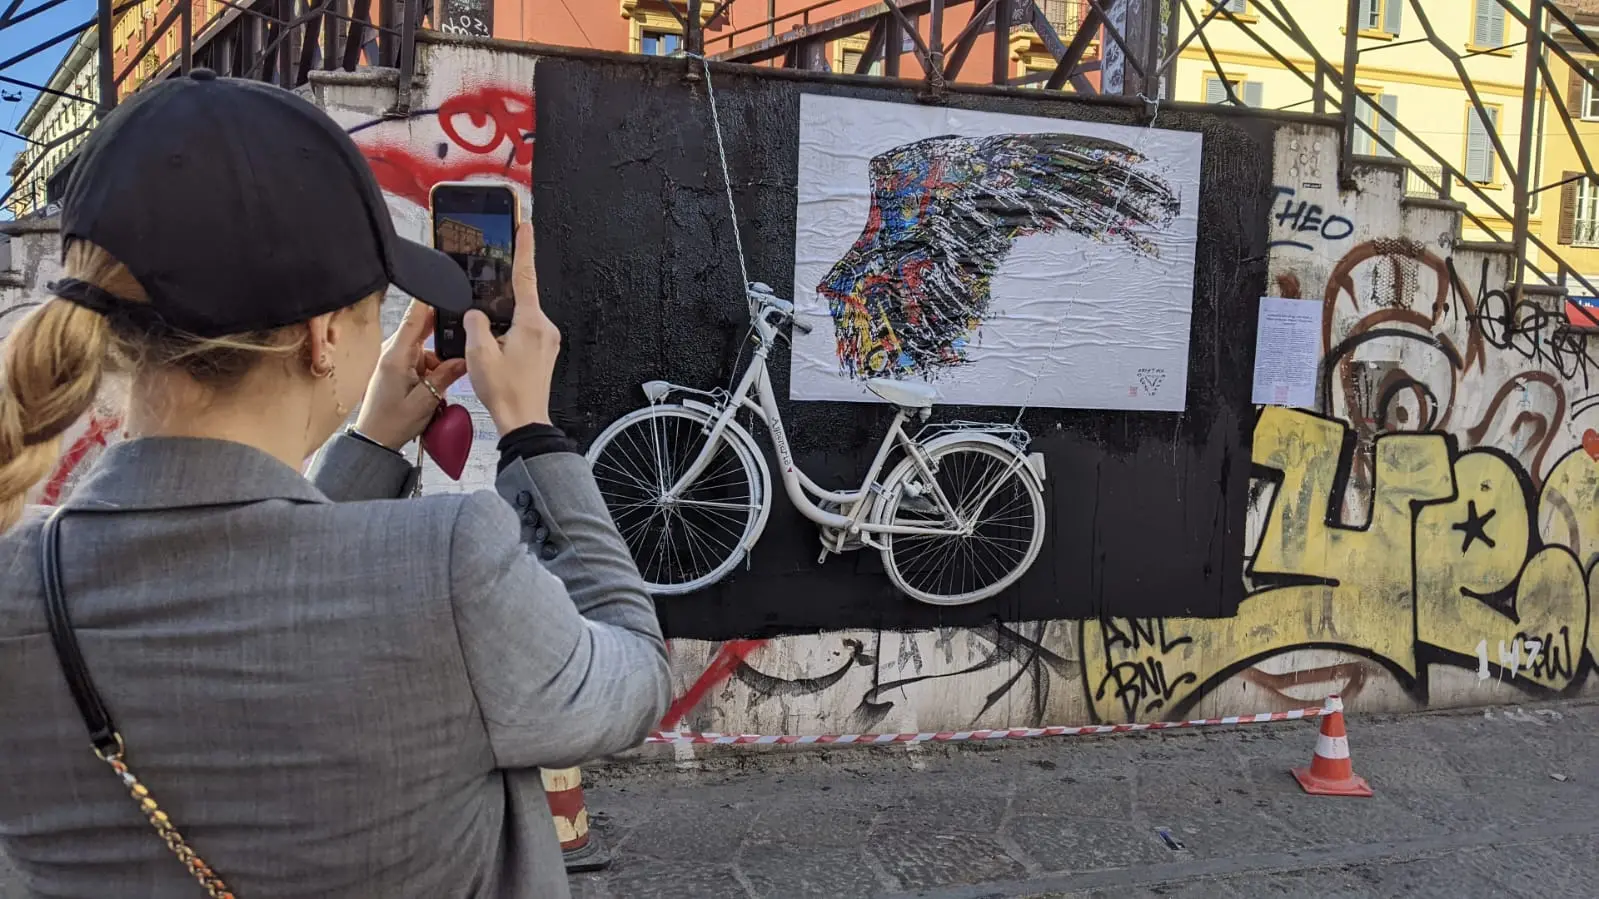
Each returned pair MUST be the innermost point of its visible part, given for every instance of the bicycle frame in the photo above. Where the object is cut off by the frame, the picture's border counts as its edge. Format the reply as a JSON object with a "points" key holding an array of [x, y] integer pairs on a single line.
{"points": [[799, 486]]}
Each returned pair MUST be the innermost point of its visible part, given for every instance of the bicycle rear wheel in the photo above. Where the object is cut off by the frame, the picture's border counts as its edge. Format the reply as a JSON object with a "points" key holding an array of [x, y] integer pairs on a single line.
{"points": [[984, 483], [696, 539]]}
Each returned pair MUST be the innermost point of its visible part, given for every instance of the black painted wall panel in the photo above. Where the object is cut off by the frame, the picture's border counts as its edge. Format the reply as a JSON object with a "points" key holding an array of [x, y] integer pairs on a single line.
{"points": [[637, 263]]}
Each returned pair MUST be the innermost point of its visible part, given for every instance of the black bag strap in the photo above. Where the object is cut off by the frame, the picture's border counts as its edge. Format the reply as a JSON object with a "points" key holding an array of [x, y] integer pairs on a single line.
{"points": [[102, 730]]}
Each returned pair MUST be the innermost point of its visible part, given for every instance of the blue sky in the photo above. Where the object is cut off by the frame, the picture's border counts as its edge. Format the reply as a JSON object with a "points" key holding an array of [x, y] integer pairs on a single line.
{"points": [[37, 68]]}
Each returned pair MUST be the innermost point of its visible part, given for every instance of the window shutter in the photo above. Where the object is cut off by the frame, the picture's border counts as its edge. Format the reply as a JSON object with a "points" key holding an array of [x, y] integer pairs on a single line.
{"points": [[1478, 148], [1388, 129], [1252, 94], [1363, 113], [1481, 37], [1237, 5], [1215, 91], [1393, 15], [1366, 9], [1496, 14], [1574, 85], [1568, 208]]}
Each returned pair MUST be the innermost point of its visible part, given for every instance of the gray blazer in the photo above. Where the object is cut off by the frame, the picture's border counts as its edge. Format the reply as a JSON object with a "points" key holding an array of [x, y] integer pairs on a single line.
{"points": [[333, 693]]}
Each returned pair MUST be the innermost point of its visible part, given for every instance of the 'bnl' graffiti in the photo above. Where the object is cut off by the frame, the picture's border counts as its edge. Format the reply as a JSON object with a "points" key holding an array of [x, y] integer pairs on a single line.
{"points": [[913, 291], [486, 131]]}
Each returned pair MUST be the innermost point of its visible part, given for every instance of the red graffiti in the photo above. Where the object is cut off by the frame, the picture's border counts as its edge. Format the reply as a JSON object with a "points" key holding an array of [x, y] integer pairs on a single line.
{"points": [[97, 434], [488, 131], [728, 657]]}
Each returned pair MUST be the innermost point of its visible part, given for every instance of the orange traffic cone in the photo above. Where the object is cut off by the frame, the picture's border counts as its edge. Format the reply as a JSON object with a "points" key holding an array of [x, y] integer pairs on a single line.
{"points": [[1330, 772], [581, 849]]}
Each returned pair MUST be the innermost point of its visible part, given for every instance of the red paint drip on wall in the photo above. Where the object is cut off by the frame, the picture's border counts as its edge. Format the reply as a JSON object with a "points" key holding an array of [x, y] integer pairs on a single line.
{"points": [[728, 657]]}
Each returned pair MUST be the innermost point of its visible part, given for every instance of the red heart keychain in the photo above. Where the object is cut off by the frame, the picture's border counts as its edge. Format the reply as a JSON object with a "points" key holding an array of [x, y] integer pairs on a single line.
{"points": [[448, 437]]}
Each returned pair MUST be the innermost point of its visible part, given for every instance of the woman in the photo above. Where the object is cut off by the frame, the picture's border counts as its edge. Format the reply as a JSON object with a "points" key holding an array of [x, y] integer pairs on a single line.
{"points": [[323, 691]]}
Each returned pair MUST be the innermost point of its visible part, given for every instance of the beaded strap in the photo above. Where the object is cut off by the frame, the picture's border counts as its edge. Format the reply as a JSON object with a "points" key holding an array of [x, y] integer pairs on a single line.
{"points": [[209, 881]]}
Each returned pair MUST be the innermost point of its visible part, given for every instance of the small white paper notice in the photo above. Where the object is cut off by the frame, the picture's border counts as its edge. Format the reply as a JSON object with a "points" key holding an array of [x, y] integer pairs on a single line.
{"points": [[1287, 342]]}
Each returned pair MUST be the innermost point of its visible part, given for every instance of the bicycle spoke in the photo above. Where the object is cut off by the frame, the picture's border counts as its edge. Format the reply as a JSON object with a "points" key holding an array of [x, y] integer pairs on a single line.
{"points": [[710, 504], [985, 490]]}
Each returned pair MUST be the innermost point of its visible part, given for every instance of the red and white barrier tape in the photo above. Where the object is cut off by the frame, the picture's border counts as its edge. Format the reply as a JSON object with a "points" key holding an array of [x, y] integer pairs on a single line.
{"points": [[956, 736]]}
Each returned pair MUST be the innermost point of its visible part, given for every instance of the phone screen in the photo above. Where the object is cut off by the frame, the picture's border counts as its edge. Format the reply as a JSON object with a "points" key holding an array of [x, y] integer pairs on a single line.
{"points": [[476, 226]]}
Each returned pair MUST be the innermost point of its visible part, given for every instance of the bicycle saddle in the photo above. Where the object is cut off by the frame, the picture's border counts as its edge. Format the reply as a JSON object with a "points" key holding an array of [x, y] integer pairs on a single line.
{"points": [[905, 394]]}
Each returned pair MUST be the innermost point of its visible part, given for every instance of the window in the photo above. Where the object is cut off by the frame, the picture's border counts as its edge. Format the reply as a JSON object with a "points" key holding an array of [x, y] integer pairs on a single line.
{"points": [[1064, 16], [1585, 218], [659, 43], [1382, 16], [1583, 97], [1370, 15], [1579, 210], [1366, 111], [850, 60], [1480, 166], [1490, 24], [1249, 92]]}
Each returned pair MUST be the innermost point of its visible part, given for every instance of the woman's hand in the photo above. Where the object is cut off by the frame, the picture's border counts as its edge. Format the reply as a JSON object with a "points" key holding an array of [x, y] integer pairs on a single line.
{"points": [[512, 375], [398, 405]]}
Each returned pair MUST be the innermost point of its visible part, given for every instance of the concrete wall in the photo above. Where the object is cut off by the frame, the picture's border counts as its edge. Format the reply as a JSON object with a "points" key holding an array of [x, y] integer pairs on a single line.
{"points": [[1407, 544]]}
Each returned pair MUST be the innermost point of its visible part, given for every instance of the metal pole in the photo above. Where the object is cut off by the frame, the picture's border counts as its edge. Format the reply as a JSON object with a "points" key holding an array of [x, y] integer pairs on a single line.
{"points": [[186, 36], [695, 39], [1523, 173], [1174, 26], [108, 67], [1002, 17], [1351, 61], [893, 46]]}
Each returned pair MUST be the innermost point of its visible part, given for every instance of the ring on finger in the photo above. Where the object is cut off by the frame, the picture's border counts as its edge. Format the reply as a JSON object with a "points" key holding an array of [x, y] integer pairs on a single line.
{"points": [[433, 390]]}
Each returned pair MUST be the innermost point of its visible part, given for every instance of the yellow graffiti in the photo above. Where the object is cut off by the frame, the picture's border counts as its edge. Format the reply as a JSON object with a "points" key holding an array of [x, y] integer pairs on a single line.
{"points": [[1457, 565]]}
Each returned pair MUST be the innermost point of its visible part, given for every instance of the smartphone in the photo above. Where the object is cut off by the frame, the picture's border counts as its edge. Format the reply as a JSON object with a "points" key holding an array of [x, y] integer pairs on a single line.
{"points": [[475, 224]]}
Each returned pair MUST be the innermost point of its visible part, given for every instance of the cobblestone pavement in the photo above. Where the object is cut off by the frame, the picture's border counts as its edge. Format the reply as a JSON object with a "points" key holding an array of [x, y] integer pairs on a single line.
{"points": [[1503, 802]]}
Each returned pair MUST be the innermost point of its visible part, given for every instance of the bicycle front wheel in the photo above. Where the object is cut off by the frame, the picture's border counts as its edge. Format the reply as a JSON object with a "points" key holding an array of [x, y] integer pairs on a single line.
{"points": [[986, 485], [695, 539]]}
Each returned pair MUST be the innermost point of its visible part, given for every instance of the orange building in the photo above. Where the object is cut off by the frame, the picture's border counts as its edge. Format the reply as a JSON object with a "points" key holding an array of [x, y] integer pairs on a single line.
{"points": [[225, 38], [648, 26]]}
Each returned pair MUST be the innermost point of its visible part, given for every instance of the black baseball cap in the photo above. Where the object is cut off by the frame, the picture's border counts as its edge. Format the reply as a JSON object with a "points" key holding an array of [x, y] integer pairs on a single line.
{"points": [[238, 206]]}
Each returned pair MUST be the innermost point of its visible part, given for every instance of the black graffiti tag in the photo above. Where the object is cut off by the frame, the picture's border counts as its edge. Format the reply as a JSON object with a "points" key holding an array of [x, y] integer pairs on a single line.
{"points": [[1142, 686], [1527, 329], [1307, 219]]}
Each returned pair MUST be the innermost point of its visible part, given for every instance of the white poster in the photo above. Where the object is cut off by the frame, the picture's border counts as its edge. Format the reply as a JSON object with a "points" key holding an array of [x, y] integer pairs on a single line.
{"points": [[1287, 344], [1006, 260]]}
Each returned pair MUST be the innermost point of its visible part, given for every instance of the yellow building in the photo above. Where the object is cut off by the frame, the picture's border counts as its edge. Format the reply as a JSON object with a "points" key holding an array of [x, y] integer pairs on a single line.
{"points": [[1401, 69], [1572, 225], [50, 120]]}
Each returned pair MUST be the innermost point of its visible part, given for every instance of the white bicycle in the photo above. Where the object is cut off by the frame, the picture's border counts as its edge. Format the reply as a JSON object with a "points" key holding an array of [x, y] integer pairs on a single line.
{"points": [[958, 519]]}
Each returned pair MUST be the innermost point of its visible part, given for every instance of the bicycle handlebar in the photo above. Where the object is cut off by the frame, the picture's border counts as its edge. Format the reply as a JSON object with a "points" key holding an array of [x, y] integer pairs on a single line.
{"points": [[770, 302]]}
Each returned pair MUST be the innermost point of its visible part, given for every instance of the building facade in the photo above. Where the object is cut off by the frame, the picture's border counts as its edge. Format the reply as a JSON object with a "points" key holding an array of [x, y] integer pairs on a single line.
{"points": [[1400, 70], [649, 27], [54, 125], [1572, 226]]}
